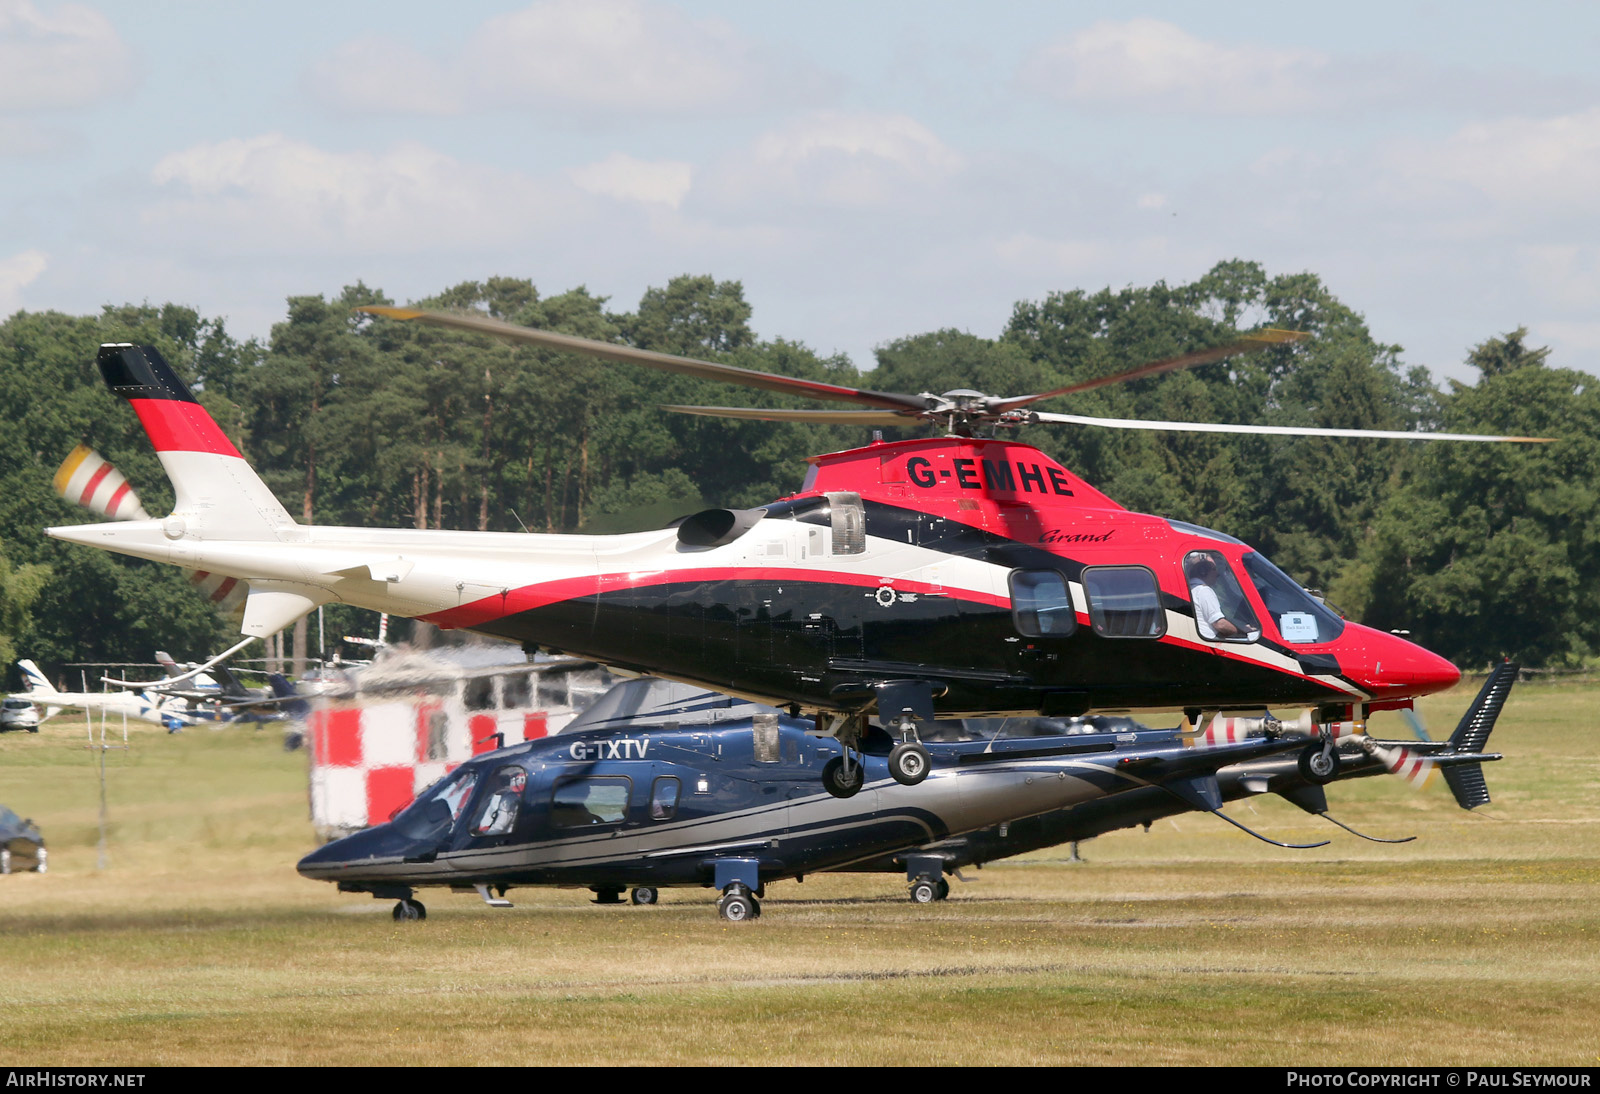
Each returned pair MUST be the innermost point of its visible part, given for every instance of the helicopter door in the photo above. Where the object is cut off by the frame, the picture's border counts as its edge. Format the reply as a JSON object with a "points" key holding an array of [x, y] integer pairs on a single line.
{"points": [[1042, 613]]}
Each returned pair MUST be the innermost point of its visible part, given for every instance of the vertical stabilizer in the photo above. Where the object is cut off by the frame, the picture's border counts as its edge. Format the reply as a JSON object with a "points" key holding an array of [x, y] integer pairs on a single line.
{"points": [[1472, 734], [219, 496], [35, 682]]}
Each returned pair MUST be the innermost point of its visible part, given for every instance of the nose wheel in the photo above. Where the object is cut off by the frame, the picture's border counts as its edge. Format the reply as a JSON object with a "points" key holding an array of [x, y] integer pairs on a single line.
{"points": [[842, 776], [1319, 764], [409, 911]]}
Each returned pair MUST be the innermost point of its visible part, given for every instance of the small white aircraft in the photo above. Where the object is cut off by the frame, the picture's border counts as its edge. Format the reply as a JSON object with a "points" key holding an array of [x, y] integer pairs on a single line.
{"points": [[108, 703]]}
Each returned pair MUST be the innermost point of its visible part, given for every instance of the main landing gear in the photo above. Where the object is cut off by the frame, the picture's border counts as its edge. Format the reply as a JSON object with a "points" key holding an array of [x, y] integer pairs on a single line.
{"points": [[643, 895], [902, 705], [409, 911], [738, 904], [926, 875], [740, 882]]}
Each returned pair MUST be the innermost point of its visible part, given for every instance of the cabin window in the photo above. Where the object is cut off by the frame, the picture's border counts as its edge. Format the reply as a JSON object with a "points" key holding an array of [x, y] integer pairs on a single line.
{"points": [[1041, 604], [516, 690], [664, 798], [438, 728], [1301, 619], [1124, 602], [479, 693], [586, 801], [1221, 612], [552, 692], [500, 803]]}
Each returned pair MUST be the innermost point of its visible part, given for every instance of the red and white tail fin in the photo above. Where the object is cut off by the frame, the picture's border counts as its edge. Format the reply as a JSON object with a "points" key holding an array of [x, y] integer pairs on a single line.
{"points": [[219, 495]]}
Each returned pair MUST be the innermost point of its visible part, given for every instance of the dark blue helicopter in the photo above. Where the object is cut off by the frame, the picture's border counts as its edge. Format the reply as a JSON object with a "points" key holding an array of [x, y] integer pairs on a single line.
{"points": [[738, 803], [1459, 759]]}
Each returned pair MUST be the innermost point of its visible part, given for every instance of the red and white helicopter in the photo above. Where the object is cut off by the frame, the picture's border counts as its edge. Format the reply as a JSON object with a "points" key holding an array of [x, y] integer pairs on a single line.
{"points": [[954, 575]]}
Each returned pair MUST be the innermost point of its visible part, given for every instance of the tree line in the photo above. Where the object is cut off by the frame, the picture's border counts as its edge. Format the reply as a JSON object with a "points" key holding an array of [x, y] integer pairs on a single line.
{"points": [[1479, 551]]}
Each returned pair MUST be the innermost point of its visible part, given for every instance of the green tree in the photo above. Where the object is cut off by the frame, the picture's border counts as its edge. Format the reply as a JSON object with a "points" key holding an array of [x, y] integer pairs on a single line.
{"points": [[1489, 551]]}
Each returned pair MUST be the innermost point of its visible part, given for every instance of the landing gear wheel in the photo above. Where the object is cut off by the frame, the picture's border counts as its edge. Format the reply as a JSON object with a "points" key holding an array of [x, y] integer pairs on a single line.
{"points": [[33, 729], [909, 763], [737, 907], [924, 892], [840, 784], [407, 911], [605, 895], [643, 895], [1319, 765], [941, 890]]}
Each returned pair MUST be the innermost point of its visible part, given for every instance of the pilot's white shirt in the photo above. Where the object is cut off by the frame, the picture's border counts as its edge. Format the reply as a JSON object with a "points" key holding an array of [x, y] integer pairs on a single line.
{"points": [[1206, 609]]}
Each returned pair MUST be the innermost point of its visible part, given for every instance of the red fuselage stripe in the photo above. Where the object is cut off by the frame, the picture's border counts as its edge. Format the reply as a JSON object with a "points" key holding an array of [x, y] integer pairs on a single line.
{"points": [[178, 426]]}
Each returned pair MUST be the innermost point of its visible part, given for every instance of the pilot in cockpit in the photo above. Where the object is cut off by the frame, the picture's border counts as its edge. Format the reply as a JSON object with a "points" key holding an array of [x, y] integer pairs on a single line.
{"points": [[1210, 620]]}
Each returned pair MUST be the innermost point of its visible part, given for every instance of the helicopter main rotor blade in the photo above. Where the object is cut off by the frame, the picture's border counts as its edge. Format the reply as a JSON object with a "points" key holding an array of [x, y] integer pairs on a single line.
{"points": [[1275, 430], [836, 417], [1250, 343], [666, 362]]}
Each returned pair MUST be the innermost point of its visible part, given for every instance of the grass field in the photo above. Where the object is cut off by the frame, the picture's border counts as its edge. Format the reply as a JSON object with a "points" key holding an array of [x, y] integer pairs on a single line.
{"points": [[1187, 944]]}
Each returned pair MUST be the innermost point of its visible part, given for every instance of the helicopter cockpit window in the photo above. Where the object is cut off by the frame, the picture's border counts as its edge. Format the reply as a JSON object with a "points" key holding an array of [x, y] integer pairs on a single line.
{"points": [[438, 807], [1221, 612], [499, 810], [664, 798], [579, 803], [1301, 619], [1124, 602], [1041, 604]]}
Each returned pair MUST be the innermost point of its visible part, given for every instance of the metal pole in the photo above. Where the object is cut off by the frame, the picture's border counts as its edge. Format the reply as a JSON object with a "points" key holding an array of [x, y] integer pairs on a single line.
{"points": [[100, 854]]}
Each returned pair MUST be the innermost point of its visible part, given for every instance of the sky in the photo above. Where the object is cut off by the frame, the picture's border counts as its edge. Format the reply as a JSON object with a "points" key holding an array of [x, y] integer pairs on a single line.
{"points": [[867, 170]]}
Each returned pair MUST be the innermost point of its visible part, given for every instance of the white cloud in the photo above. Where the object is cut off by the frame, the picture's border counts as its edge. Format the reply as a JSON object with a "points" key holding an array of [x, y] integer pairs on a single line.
{"points": [[851, 159], [1152, 64], [16, 273], [383, 76], [1512, 168], [620, 176], [272, 193], [586, 57], [65, 57]]}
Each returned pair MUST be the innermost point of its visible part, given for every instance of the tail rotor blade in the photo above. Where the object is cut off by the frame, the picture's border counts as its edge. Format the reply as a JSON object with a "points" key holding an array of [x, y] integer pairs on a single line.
{"points": [[87, 478]]}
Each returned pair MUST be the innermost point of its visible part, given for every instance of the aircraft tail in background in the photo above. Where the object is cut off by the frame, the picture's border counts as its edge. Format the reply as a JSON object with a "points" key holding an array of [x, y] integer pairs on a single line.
{"points": [[34, 682]]}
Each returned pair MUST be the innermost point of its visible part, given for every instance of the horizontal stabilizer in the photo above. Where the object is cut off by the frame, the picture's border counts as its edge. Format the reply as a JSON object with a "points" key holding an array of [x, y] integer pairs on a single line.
{"points": [[269, 609]]}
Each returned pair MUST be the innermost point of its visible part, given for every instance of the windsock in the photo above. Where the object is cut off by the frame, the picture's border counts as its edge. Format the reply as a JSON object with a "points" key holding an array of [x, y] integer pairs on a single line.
{"points": [[85, 478]]}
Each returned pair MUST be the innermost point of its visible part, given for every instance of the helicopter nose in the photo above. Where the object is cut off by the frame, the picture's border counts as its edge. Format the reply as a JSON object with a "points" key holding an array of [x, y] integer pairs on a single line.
{"points": [[1396, 668]]}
